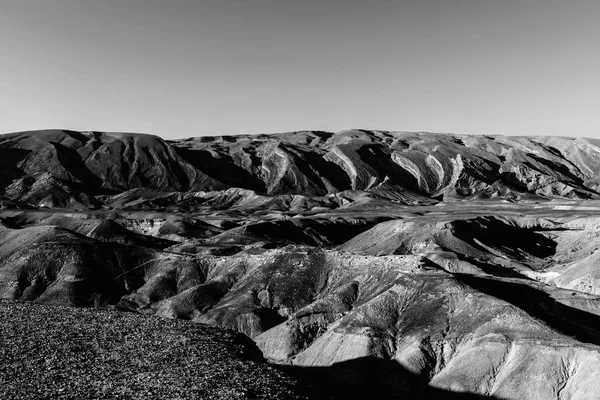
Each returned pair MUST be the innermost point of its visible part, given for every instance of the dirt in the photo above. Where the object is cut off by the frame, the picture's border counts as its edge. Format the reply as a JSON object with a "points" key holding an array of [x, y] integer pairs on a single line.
{"points": [[65, 353]]}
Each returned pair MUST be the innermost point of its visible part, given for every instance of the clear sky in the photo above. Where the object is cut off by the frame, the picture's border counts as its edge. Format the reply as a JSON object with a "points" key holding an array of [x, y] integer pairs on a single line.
{"points": [[181, 68]]}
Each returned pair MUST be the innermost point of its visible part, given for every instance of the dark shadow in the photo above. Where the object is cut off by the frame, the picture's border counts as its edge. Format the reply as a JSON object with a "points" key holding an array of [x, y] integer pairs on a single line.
{"points": [[324, 135], [268, 317], [579, 324], [492, 269], [372, 378], [72, 162], [9, 159], [560, 168], [315, 167], [111, 231], [571, 179], [481, 168], [222, 169], [514, 241], [314, 232], [380, 159]]}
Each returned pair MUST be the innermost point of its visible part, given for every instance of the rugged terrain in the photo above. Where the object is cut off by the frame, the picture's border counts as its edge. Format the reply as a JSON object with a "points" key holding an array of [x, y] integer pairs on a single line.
{"points": [[291, 171], [364, 263], [66, 353]]}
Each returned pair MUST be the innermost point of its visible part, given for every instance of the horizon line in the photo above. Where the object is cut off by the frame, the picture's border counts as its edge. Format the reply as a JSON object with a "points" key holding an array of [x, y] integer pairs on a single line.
{"points": [[241, 134]]}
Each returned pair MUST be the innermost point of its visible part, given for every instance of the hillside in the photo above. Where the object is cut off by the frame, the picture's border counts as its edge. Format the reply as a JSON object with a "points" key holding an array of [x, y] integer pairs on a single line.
{"points": [[320, 169], [65, 353], [364, 264]]}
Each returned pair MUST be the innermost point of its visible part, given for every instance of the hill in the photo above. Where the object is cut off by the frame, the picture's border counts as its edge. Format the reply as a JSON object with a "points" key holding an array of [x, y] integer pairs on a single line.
{"points": [[56, 168], [363, 263]]}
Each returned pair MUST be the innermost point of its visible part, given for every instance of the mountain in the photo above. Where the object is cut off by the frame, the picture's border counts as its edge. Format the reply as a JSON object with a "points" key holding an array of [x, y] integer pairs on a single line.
{"points": [[64, 168], [364, 264]]}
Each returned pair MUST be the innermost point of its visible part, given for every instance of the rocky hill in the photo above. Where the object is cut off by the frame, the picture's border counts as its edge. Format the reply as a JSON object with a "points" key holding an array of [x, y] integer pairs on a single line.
{"points": [[64, 168], [65, 353], [363, 263]]}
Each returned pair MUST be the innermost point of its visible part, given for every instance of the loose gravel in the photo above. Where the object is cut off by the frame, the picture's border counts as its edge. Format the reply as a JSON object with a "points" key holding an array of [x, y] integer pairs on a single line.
{"points": [[66, 353]]}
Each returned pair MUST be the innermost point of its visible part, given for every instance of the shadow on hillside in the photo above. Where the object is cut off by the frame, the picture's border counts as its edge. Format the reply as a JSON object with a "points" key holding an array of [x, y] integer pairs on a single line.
{"points": [[371, 378], [579, 324], [518, 243], [222, 169], [9, 161], [375, 378], [492, 269], [71, 161]]}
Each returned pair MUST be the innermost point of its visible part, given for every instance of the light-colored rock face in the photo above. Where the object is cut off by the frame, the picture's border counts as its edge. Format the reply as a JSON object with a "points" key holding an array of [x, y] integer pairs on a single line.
{"points": [[409, 322], [405, 265], [67, 169], [449, 330]]}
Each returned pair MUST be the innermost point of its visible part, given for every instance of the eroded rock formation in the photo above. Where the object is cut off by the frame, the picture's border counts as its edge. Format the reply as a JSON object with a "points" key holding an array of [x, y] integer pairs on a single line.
{"points": [[406, 265]]}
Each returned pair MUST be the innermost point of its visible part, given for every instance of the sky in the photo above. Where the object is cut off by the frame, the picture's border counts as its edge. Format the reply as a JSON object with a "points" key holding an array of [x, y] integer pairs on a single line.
{"points": [[181, 68]]}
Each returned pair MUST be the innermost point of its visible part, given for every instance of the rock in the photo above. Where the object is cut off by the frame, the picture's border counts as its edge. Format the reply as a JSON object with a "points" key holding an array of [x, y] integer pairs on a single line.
{"points": [[81, 353], [364, 263], [298, 170]]}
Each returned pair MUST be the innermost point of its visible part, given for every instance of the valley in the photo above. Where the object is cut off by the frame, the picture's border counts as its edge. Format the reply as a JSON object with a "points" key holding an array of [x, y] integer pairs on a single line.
{"points": [[360, 262]]}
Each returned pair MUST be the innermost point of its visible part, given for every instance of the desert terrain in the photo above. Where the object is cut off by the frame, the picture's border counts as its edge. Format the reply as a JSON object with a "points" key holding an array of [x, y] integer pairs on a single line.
{"points": [[354, 264]]}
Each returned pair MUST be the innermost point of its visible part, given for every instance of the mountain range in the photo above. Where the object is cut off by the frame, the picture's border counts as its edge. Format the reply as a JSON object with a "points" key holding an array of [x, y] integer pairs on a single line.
{"points": [[57, 168], [361, 263]]}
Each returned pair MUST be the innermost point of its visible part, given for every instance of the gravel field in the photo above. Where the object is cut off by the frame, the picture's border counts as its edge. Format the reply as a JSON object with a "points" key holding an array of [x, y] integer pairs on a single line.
{"points": [[66, 353]]}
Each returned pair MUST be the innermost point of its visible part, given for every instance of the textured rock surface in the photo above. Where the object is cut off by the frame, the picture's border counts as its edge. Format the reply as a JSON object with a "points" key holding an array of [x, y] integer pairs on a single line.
{"points": [[305, 169], [363, 262], [65, 353]]}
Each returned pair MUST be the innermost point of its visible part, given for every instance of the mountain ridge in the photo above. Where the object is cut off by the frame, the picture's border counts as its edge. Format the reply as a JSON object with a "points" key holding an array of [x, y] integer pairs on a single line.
{"points": [[86, 165], [367, 263]]}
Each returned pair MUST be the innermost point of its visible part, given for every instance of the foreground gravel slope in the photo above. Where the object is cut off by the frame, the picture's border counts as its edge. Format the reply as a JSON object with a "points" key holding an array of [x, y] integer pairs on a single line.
{"points": [[66, 353]]}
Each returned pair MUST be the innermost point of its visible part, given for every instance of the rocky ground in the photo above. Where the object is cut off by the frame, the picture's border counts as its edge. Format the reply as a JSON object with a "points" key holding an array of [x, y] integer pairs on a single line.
{"points": [[65, 353]]}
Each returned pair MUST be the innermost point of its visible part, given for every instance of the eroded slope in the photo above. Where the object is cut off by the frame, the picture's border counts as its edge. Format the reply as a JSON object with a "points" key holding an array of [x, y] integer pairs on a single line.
{"points": [[365, 262], [309, 169]]}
